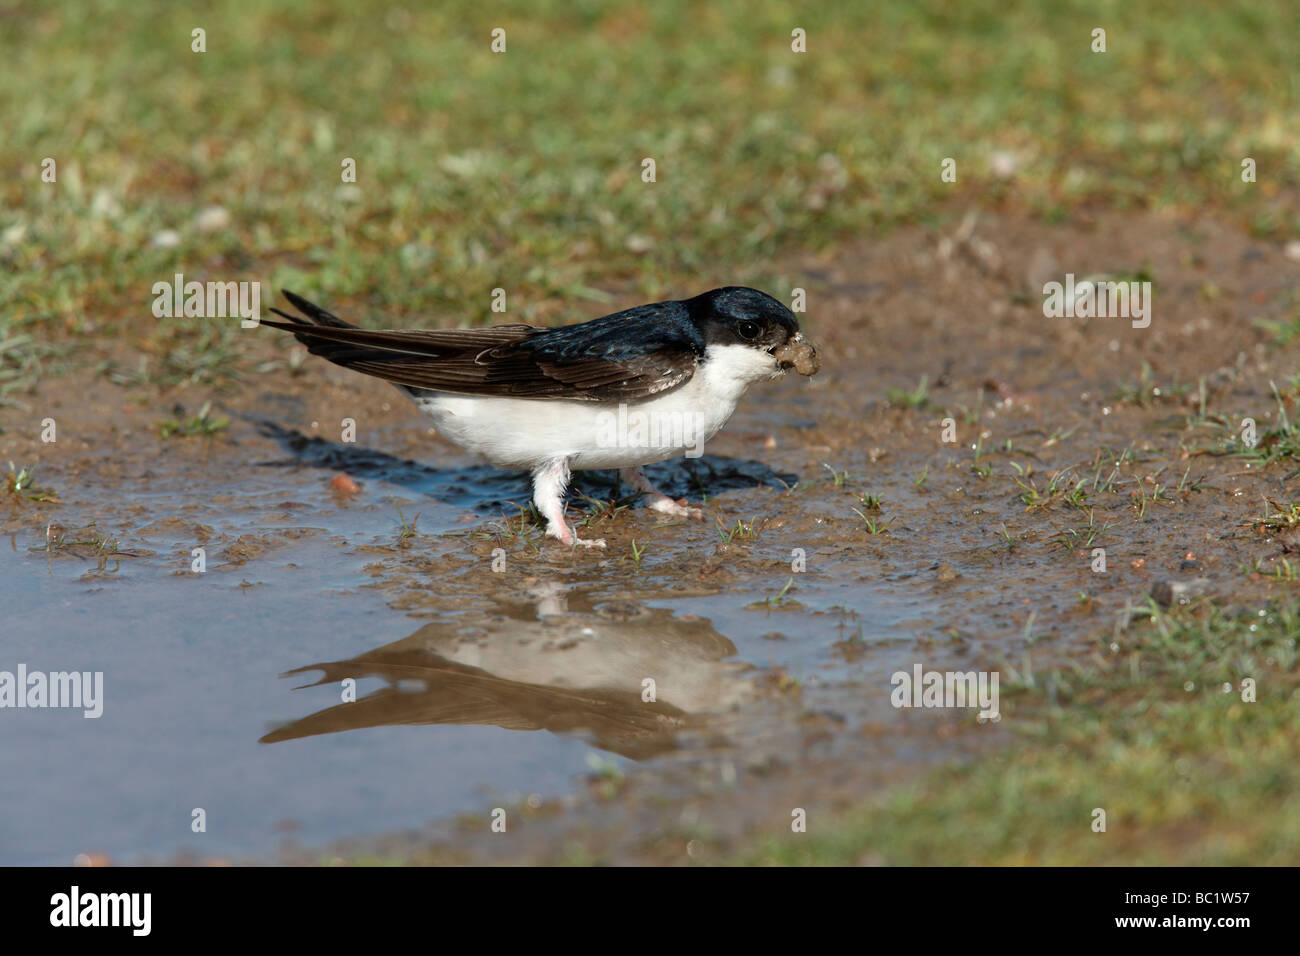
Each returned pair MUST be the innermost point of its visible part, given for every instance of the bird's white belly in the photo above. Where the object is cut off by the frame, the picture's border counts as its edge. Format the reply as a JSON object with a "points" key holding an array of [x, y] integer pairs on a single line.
{"points": [[523, 433]]}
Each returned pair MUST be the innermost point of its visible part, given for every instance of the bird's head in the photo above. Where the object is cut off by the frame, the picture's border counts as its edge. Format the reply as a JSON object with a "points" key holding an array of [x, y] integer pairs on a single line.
{"points": [[740, 316]]}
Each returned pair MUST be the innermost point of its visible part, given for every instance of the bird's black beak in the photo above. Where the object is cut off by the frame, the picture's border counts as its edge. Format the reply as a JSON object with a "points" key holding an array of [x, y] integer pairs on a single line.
{"points": [[799, 354]]}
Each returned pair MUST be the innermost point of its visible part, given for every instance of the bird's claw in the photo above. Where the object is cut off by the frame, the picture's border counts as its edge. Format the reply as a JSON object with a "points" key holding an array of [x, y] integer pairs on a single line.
{"points": [[667, 506], [566, 535]]}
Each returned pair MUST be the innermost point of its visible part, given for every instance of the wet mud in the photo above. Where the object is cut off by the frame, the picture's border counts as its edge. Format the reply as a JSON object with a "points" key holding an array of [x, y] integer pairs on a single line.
{"points": [[936, 495]]}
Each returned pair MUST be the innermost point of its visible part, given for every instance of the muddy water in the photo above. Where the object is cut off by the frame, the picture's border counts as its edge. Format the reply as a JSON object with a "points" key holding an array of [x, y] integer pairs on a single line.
{"points": [[490, 664], [190, 666], [326, 677]]}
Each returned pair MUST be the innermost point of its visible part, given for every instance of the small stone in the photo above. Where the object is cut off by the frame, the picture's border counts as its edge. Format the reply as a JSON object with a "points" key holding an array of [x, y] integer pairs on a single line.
{"points": [[1003, 163], [344, 485], [1169, 593], [211, 218]]}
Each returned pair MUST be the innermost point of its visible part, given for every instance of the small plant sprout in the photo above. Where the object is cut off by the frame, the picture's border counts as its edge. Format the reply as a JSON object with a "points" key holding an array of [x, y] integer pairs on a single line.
{"points": [[779, 599], [1281, 571], [199, 424], [1082, 537], [1156, 492], [873, 524], [1057, 437], [971, 416], [916, 399], [1278, 443], [88, 543], [21, 483], [838, 477], [1283, 518], [740, 529], [406, 530]]}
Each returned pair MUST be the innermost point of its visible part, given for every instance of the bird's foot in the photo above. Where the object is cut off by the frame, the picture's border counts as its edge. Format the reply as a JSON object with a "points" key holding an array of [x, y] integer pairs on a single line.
{"points": [[659, 501], [566, 535], [665, 505], [549, 482]]}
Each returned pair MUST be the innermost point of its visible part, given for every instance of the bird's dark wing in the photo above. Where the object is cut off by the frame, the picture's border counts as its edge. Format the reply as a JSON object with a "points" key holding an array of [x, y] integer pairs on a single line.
{"points": [[626, 356]]}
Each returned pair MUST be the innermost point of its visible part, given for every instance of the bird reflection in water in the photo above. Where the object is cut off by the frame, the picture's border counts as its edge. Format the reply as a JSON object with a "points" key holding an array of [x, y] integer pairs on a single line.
{"points": [[555, 660]]}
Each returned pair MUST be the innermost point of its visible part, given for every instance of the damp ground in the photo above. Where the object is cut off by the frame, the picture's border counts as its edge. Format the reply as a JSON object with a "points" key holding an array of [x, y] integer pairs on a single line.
{"points": [[382, 653]]}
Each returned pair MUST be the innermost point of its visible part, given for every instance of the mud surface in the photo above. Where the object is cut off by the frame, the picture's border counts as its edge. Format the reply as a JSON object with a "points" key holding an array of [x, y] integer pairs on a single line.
{"points": [[846, 540]]}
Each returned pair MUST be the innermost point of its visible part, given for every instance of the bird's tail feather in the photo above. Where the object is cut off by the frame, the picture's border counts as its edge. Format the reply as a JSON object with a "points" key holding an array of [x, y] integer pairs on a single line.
{"points": [[312, 311], [409, 358], [310, 328]]}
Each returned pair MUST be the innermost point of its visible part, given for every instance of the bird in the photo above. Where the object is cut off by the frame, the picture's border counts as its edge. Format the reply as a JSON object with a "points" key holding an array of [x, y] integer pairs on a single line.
{"points": [[621, 391]]}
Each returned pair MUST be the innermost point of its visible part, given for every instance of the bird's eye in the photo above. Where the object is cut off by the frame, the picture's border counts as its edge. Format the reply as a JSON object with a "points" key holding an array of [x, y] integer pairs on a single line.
{"points": [[748, 330]]}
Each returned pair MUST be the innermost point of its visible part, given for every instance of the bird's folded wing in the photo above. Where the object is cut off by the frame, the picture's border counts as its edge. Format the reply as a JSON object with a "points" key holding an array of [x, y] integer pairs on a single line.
{"points": [[608, 363]]}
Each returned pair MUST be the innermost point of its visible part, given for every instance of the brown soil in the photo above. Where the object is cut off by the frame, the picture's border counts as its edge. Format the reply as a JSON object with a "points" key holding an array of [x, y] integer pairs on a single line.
{"points": [[962, 575]]}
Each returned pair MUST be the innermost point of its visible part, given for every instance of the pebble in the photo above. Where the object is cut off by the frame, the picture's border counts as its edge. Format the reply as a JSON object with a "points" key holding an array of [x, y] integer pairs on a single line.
{"points": [[211, 218], [344, 485], [1169, 593]]}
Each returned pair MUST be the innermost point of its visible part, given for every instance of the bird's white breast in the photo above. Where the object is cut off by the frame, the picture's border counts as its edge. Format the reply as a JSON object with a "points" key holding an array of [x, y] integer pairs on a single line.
{"points": [[523, 433]]}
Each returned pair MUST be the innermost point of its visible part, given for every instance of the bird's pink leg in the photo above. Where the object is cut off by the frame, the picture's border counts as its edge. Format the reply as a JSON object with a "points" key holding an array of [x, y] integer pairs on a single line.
{"points": [[549, 482], [658, 500]]}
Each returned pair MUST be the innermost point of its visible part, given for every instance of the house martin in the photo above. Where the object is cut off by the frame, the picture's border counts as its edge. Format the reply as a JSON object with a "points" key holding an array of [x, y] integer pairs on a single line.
{"points": [[621, 391]]}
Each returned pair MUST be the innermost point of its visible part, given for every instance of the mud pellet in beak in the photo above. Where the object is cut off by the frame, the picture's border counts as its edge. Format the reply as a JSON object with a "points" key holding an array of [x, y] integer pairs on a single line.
{"points": [[800, 355]]}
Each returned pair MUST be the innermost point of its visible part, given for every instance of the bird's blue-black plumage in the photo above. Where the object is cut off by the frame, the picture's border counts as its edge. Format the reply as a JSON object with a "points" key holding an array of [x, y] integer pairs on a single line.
{"points": [[626, 356], [632, 333]]}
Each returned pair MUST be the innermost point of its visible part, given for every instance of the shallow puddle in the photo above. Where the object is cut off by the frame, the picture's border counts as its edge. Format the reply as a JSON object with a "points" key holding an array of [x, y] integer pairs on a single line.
{"points": [[320, 681], [939, 504]]}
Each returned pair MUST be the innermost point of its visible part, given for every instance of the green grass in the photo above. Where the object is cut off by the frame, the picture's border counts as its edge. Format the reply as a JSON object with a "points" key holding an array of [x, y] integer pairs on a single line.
{"points": [[203, 424], [1282, 331], [1277, 517], [779, 599], [741, 530], [1279, 443], [874, 525], [1153, 730], [918, 398], [522, 170], [406, 529], [87, 544], [21, 483]]}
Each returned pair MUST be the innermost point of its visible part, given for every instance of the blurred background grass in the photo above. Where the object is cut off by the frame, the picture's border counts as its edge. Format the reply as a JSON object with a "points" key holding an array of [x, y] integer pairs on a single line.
{"points": [[477, 170]]}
